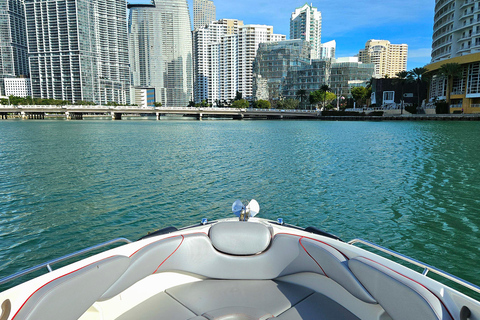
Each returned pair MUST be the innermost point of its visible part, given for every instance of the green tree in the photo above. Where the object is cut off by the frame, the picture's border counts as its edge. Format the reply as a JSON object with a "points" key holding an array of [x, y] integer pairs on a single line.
{"points": [[450, 71], [238, 96], [315, 97], [359, 94], [302, 95], [324, 89], [263, 104], [157, 104], [288, 104], [418, 75], [240, 104]]}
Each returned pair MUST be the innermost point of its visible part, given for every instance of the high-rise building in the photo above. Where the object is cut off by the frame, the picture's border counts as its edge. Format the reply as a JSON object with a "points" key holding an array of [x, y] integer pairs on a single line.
{"points": [[327, 50], [78, 50], [13, 41], [456, 29], [306, 24], [347, 73], [456, 39], [272, 64], [160, 45], [249, 38], [204, 12], [389, 59], [224, 52], [215, 60]]}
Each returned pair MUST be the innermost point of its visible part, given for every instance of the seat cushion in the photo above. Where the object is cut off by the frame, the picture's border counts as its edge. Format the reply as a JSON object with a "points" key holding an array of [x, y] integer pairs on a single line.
{"points": [[317, 307], [400, 296], [160, 306], [267, 296], [240, 237]]}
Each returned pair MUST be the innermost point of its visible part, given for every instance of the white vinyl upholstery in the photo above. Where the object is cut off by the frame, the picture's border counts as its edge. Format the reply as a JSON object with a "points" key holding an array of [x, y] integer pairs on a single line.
{"points": [[70, 295], [286, 255], [401, 297], [240, 237], [143, 263]]}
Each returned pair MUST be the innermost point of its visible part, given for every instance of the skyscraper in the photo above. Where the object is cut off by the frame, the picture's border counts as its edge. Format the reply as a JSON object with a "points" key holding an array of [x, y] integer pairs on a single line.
{"points": [[456, 29], [224, 52], [78, 50], [160, 45], [389, 59], [456, 41], [306, 24], [249, 38], [204, 12], [216, 60], [13, 41]]}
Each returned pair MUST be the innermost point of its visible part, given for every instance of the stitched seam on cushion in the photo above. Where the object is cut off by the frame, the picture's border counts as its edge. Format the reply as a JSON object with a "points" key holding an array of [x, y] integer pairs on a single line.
{"points": [[300, 242], [181, 303], [171, 254], [296, 235], [413, 289]]}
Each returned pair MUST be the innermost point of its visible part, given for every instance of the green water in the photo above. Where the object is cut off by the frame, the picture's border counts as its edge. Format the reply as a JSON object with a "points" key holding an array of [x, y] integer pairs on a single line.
{"points": [[411, 186]]}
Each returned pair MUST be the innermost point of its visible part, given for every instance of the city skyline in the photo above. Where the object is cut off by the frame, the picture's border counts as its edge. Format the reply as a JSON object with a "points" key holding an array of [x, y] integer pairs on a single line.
{"points": [[396, 21]]}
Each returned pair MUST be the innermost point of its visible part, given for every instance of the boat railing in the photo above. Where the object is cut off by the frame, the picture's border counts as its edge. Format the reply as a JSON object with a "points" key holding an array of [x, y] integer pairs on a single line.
{"points": [[49, 264], [426, 268]]}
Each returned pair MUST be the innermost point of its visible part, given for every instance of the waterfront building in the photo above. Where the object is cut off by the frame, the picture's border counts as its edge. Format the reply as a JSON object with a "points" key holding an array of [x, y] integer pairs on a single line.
{"points": [[327, 50], [389, 91], [216, 60], [13, 41], [308, 77], [306, 24], [272, 64], [249, 38], [224, 52], [456, 39], [18, 87], [285, 68], [78, 50], [160, 47], [389, 59], [347, 73], [143, 96], [204, 12]]}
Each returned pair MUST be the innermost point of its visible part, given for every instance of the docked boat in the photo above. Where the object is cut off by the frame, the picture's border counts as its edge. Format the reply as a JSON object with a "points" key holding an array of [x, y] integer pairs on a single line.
{"points": [[237, 269]]}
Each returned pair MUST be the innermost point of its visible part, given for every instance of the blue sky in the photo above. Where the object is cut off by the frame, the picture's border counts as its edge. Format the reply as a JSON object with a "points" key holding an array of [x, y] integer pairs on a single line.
{"points": [[349, 22]]}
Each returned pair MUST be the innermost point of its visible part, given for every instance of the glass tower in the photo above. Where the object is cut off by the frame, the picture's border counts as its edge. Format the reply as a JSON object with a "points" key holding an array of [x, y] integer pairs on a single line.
{"points": [[13, 41], [306, 24], [160, 44], [78, 50]]}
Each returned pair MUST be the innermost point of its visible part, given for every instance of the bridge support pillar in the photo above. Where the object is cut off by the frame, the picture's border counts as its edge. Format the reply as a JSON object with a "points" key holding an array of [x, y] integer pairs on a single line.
{"points": [[200, 116], [238, 116], [158, 115], [116, 116], [3, 115], [74, 115]]}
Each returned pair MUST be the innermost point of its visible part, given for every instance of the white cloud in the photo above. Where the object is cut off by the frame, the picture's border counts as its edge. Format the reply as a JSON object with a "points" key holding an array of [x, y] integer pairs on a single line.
{"points": [[420, 53]]}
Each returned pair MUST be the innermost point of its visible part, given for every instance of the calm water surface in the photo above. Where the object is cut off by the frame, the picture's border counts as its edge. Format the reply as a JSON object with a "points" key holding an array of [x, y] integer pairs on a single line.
{"points": [[411, 186]]}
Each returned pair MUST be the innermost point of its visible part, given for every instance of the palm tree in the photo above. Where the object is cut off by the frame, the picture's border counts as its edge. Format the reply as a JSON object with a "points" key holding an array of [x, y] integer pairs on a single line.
{"points": [[450, 71], [418, 75], [301, 94], [324, 88], [402, 78]]}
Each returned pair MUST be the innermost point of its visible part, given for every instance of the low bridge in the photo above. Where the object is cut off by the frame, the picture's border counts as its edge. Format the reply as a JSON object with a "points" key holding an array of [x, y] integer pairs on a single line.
{"points": [[77, 112]]}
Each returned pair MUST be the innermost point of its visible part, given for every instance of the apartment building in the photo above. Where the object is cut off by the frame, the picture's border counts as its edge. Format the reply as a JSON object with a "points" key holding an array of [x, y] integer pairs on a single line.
{"points": [[389, 59], [78, 50]]}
